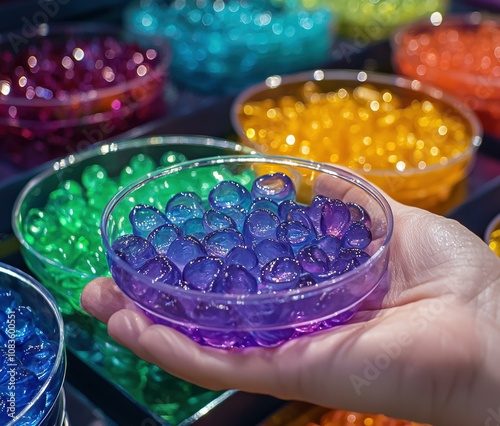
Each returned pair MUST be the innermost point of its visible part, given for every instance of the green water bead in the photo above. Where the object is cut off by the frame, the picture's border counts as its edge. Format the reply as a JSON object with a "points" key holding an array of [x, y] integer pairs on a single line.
{"points": [[94, 177], [72, 187], [138, 166], [171, 158]]}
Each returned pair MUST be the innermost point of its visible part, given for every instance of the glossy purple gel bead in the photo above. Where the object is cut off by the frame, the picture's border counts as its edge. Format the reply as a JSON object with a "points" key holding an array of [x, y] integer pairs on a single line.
{"points": [[134, 250], [314, 211], [269, 249], [264, 203], [357, 236], [313, 260], [200, 273], [295, 233], [229, 194], [299, 214], [214, 220], [330, 245], [335, 218], [219, 243], [276, 186], [236, 279], [359, 214], [145, 218], [160, 269], [184, 206], [237, 213], [355, 256], [242, 256], [162, 237], [183, 249], [281, 274], [260, 225], [285, 207]]}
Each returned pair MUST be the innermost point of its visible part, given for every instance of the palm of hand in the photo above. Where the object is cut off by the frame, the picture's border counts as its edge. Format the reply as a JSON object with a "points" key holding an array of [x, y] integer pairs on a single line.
{"points": [[413, 357]]}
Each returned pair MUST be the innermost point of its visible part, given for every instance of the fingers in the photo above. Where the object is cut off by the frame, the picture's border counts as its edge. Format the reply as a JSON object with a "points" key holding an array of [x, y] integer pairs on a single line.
{"points": [[101, 298]]}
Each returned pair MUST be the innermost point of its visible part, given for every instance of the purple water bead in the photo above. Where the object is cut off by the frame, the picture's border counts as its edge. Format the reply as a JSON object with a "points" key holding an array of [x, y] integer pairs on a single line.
{"points": [[354, 255], [299, 214], [313, 260], [242, 256], [184, 249], [276, 186], [162, 237], [260, 225], [214, 220], [295, 233], [200, 274], [281, 274], [269, 249], [285, 207], [330, 245], [237, 214], [220, 243], [264, 203], [236, 279], [160, 269], [357, 236], [184, 206], [134, 250], [229, 194], [144, 219], [314, 211], [194, 227], [359, 214], [335, 218]]}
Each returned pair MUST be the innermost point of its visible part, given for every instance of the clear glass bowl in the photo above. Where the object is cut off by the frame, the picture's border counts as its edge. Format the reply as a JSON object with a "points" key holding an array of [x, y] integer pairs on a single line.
{"points": [[454, 68], [43, 116], [425, 187], [262, 319], [87, 337], [47, 408]]}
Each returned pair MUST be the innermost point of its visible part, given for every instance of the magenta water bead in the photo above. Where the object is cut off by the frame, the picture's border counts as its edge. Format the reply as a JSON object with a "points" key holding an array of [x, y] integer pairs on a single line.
{"points": [[243, 241]]}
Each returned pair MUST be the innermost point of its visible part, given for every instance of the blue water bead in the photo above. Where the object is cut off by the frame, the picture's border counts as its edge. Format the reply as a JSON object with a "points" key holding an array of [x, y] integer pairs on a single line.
{"points": [[201, 273], [236, 279], [269, 249], [194, 227], [276, 186], [260, 225], [285, 207], [359, 214], [214, 220], [160, 269], [184, 249], [295, 233], [229, 194], [264, 203], [238, 214], [27, 385], [281, 274], [313, 260], [314, 211], [134, 250], [242, 256], [162, 237], [184, 206], [219, 243], [355, 256], [9, 299], [144, 219], [299, 214], [357, 236], [25, 323], [330, 245], [39, 354], [335, 218]]}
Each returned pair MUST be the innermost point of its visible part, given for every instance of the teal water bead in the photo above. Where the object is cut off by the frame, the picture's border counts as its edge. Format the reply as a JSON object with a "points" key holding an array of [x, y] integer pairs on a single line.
{"points": [[145, 219], [184, 206], [194, 227]]}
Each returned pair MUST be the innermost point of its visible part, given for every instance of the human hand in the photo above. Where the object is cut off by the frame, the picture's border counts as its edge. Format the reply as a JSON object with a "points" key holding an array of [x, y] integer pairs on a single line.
{"points": [[432, 345]]}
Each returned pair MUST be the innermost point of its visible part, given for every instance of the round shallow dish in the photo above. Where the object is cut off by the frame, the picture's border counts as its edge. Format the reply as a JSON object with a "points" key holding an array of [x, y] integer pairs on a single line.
{"points": [[47, 406], [264, 318], [457, 54], [86, 336], [71, 84], [279, 116]]}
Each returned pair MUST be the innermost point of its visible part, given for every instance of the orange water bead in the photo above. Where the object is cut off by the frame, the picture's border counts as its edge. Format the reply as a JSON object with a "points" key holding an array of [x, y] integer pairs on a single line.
{"points": [[365, 128], [349, 418]]}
